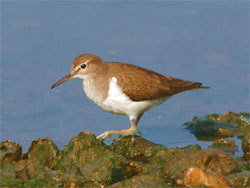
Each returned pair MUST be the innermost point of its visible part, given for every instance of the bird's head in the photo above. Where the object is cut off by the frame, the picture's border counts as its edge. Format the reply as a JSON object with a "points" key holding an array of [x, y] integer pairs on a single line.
{"points": [[84, 66]]}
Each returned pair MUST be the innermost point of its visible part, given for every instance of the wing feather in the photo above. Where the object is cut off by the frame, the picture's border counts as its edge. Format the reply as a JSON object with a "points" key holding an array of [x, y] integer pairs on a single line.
{"points": [[141, 84]]}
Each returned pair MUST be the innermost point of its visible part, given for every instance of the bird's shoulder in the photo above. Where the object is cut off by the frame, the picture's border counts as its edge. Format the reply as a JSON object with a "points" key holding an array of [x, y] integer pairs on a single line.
{"points": [[139, 83]]}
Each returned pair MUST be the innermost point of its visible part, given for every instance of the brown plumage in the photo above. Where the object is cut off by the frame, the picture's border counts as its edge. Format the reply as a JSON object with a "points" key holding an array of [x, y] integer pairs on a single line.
{"points": [[141, 84]]}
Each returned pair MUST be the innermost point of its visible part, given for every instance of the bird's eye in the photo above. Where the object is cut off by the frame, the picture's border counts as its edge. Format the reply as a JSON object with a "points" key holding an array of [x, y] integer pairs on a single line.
{"points": [[83, 66]]}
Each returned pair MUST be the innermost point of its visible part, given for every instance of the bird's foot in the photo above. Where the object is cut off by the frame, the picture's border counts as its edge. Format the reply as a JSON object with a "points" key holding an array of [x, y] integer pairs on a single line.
{"points": [[126, 132]]}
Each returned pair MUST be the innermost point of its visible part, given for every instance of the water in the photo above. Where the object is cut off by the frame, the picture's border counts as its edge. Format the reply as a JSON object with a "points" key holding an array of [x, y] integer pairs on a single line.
{"points": [[197, 41]]}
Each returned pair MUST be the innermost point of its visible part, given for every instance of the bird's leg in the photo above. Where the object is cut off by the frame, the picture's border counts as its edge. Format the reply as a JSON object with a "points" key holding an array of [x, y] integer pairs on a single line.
{"points": [[137, 121], [126, 132]]}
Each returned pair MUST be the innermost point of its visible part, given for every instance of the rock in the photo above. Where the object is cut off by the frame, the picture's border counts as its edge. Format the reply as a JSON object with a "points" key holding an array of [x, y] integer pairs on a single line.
{"points": [[210, 129], [195, 118], [245, 114], [43, 152], [9, 181], [142, 181], [39, 160], [138, 150], [245, 145], [213, 161], [152, 157], [82, 149], [219, 126], [225, 145], [9, 152], [92, 163], [241, 179], [238, 120], [147, 152], [88, 162], [40, 182], [195, 176]]}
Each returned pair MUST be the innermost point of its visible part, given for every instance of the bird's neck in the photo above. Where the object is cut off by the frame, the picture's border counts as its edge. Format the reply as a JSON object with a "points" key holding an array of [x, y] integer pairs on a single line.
{"points": [[96, 88]]}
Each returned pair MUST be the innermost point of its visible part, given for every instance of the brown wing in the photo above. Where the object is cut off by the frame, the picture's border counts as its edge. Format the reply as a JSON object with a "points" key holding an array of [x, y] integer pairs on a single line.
{"points": [[142, 84]]}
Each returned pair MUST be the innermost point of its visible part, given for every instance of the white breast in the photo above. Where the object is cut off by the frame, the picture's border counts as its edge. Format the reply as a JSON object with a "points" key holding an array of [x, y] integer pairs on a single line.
{"points": [[92, 93], [118, 103]]}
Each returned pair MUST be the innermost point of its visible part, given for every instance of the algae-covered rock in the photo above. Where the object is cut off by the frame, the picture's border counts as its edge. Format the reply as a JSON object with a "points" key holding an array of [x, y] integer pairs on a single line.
{"points": [[236, 119], [40, 182], [138, 150], [241, 179], [9, 182], [195, 176], [38, 161], [245, 145], [145, 151], [214, 161], [225, 145], [92, 161], [82, 149], [219, 126], [43, 152], [41, 157], [9, 152], [211, 161], [210, 129], [87, 162], [154, 158], [141, 181], [216, 126]]}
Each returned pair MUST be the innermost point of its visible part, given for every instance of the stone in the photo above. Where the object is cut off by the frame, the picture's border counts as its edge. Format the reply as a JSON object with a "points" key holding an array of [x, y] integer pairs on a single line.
{"points": [[195, 176], [9, 152]]}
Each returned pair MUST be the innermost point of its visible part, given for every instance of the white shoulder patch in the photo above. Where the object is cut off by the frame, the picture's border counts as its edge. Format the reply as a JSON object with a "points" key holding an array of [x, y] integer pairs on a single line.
{"points": [[115, 91]]}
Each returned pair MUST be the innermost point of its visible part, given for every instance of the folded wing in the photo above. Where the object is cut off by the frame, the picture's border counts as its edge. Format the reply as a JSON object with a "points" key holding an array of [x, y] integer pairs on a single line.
{"points": [[141, 84]]}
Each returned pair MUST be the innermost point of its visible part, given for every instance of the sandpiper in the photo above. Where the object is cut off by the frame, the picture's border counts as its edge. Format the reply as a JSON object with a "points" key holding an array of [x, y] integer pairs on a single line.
{"points": [[124, 89]]}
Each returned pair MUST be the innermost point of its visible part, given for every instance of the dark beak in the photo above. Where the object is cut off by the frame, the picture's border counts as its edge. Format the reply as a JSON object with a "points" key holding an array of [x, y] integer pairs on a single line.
{"points": [[64, 79]]}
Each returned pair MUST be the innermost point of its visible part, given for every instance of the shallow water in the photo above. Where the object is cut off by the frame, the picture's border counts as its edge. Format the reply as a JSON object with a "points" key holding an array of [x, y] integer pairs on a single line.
{"points": [[205, 42]]}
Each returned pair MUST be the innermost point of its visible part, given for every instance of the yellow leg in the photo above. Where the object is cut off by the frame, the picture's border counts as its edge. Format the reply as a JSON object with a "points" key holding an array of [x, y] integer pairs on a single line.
{"points": [[126, 132]]}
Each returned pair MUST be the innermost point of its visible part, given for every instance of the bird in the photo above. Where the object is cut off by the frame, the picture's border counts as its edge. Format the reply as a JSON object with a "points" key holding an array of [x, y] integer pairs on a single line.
{"points": [[124, 89]]}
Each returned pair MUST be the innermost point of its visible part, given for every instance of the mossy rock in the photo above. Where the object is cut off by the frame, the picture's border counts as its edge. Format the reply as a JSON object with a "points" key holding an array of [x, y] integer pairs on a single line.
{"points": [[41, 182], [81, 150], [142, 181], [108, 169], [241, 179], [9, 152], [210, 129], [90, 160], [245, 145], [240, 121], [225, 145], [212, 161], [43, 152], [139, 149], [10, 182]]}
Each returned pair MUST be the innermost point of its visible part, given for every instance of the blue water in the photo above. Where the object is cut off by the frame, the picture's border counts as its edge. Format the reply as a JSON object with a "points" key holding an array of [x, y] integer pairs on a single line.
{"points": [[197, 41]]}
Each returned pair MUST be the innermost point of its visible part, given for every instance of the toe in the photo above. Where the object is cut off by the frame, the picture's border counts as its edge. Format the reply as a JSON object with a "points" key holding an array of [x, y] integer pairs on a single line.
{"points": [[103, 135]]}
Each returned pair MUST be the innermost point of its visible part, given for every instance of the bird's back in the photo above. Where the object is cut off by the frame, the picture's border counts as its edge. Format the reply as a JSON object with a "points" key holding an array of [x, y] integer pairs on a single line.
{"points": [[141, 84]]}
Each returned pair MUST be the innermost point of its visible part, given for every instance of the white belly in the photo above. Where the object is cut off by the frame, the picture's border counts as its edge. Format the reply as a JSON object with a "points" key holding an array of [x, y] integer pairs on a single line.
{"points": [[118, 103]]}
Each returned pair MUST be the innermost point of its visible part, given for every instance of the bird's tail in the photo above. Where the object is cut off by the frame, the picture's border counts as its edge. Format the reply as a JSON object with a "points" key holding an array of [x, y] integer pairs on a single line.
{"points": [[198, 85], [179, 85]]}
